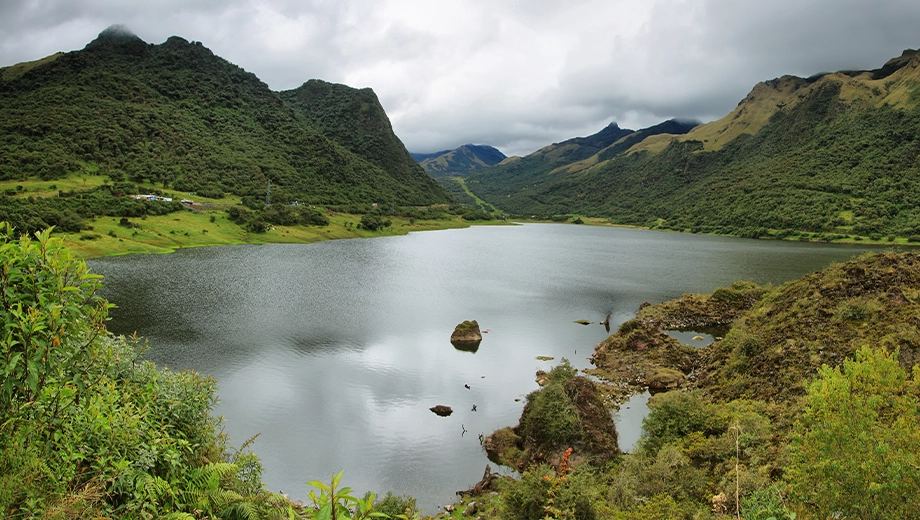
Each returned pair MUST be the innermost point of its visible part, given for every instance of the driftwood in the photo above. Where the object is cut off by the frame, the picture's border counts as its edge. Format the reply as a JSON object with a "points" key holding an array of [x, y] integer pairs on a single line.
{"points": [[483, 485]]}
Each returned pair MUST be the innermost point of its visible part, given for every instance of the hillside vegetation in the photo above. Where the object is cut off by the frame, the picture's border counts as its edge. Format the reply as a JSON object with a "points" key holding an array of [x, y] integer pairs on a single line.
{"points": [[830, 157], [354, 119], [177, 117]]}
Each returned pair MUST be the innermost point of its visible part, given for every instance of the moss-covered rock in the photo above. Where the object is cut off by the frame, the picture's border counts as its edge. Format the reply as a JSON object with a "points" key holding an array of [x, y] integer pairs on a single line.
{"points": [[567, 412], [466, 333]]}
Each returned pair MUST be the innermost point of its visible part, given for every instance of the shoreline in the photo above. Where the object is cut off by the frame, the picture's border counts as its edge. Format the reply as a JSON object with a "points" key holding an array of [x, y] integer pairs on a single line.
{"points": [[168, 233]]}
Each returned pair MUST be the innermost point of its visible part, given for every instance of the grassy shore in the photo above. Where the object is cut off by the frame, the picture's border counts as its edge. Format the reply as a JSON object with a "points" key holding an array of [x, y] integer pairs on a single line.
{"points": [[207, 225], [167, 233]]}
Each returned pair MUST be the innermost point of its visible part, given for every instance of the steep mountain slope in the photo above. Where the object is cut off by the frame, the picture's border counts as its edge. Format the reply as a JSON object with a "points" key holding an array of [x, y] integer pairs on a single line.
{"points": [[531, 173], [467, 158], [355, 119], [831, 156], [177, 114]]}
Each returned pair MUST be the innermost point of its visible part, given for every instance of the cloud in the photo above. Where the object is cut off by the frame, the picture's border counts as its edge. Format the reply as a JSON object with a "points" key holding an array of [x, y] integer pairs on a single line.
{"points": [[517, 74]]}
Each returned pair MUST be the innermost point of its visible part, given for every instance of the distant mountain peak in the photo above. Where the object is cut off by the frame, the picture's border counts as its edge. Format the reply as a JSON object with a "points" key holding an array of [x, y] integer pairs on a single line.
{"points": [[114, 34]]}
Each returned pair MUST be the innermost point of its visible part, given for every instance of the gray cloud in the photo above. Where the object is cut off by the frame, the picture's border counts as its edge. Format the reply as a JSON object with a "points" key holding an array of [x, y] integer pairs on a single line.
{"points": [[517, 74]]}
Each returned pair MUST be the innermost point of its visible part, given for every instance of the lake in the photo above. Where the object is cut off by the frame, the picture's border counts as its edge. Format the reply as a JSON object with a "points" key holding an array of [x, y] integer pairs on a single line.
{"points": [[334, 352]]}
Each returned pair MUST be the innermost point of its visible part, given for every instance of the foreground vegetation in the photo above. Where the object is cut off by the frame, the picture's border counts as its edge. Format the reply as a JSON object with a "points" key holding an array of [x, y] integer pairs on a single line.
{"points": [[808, 408]]}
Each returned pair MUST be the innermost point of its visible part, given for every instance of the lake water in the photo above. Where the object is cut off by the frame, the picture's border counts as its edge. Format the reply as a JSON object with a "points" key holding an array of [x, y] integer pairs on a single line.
{"points": [[334, 352]]}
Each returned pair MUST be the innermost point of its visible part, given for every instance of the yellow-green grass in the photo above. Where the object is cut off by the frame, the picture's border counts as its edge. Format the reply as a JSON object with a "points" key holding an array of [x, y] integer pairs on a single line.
{"points": [[41, 188], [462, 182], [14, 71], [167, 233]]}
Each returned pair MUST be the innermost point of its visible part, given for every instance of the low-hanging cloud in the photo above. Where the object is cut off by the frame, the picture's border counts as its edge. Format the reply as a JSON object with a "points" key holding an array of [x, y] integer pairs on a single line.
{"points": [[515, 74]]}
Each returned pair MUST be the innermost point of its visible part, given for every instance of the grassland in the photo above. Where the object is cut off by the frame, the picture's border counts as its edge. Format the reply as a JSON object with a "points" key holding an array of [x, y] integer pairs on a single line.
{"points": [[207, 224]]}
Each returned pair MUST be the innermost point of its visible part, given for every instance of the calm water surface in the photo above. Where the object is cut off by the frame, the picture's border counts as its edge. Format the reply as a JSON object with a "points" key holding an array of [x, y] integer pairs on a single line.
{"points": [[335, 351]]}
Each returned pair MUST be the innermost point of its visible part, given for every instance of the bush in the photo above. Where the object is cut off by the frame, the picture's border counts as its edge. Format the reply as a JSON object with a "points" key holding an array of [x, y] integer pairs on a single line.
{"points": [[393, 505], [574, 497], [673, 415], [551, 417], [373, 222], [856, 450], [88, 429]]}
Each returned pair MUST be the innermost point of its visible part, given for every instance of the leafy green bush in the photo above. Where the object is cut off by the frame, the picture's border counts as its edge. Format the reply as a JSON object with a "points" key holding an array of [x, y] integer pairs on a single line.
{"points": [[393, 505], [372, 222], [551, 416], [576, 497], [856, 449], [673, 415], [87, 429]]}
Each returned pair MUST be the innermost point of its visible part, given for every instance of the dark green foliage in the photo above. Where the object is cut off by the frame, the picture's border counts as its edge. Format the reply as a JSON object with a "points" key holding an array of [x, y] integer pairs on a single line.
{"points": [[475, 214], [178, 115], [69, 210], [553, 418], [354, 119], [673, 415], [373, 222]]}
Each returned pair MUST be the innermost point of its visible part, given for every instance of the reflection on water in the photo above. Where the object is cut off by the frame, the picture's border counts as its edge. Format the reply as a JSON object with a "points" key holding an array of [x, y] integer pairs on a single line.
{"points": [[629, 421], [335, 352], [702, 337]]}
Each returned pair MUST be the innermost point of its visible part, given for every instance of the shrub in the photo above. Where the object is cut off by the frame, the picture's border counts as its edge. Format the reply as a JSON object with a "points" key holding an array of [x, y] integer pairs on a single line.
{"points": [[89, 430], [373, 222], [856, 450], [673, 415]]}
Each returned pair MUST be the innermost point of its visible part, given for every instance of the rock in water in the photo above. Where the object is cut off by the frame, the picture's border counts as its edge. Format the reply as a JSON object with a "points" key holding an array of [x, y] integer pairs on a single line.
{"points": [[466, 335], [442, 410]]}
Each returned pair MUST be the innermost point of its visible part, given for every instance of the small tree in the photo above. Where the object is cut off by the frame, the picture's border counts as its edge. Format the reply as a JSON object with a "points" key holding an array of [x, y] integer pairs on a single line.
{"points": [[51, 315]]}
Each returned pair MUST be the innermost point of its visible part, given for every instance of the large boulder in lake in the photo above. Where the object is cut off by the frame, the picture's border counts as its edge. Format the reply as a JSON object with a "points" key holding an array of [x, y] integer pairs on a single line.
{"points": [[466, 335], [442, 410]]}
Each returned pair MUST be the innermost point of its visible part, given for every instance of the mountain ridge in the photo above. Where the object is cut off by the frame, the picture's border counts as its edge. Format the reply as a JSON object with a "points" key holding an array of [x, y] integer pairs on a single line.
{"points": [[177, 114], [461, 160], [835, 156]]}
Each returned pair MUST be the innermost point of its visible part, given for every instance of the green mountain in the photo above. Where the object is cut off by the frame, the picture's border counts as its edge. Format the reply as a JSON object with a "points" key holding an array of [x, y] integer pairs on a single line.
{"points": [[467, 158], [177, 114], [832, 156], [527, 175], [355, 119]]}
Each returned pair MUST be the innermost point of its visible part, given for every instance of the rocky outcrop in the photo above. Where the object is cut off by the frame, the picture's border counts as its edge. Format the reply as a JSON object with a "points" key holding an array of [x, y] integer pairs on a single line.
{"points": [[663, 379], [442, 410], [639, 356], [466, 334], [567, 412]]}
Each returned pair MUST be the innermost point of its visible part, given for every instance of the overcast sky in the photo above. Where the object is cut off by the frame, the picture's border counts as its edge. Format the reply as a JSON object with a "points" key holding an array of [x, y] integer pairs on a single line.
{"points": [[516, 74]]}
